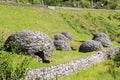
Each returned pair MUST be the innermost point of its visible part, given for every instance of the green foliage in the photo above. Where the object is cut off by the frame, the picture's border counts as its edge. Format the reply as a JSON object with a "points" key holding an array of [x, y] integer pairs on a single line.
{"points": [[26, 1], [7, 71], [5, 68], [53, 2], [111, 68], [113, 65], [84, 4], [109, 4], [117, 60], [21, 70]]}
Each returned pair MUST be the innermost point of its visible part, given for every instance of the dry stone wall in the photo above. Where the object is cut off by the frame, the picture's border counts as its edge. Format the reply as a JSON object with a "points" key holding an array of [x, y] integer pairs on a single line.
{"points": [[53, 72]]}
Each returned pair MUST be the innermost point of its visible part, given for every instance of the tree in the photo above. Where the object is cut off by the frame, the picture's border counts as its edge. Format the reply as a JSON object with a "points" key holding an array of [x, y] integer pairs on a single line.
{"points": [[42, 1], [53, 2], [92, 3], [74, 3]]}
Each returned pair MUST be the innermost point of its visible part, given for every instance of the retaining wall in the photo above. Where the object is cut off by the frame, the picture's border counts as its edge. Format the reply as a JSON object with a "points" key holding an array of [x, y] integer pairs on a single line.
{"points": [[54, 72]]}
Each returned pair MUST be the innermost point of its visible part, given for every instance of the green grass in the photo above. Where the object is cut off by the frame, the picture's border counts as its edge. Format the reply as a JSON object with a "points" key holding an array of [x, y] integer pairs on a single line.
{"points": [[97, 72], [116, 44], [16, 18], [81, 24], [59, 57], [91, 22]]}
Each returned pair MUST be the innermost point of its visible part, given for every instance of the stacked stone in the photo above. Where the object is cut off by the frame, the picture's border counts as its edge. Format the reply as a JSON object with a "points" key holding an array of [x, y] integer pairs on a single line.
{"points": [[90, 45], [99, 41], [60, 37], [68, 35], [30, 43], [62, 45], [62, 42], [103, 38], [54, 72]]}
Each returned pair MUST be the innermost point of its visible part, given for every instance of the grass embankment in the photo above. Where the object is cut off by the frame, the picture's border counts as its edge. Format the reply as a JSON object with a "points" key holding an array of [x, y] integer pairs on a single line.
{"points": [[59, 57], [81, 24]]}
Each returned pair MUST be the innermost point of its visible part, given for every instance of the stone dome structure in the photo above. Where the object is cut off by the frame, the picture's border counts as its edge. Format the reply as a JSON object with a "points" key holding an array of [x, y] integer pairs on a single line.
{"points": [[60, 37], [30, 43], [62, 45], [103, 38], [90, 45], [68, 35]]}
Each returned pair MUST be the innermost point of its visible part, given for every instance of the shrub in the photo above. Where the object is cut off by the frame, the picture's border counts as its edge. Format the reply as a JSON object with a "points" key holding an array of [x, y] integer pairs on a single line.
{"points": [[53, 2], [84, 4], [113, 66], [5, 68], [117, 60], [113, 5], [8, 72]]}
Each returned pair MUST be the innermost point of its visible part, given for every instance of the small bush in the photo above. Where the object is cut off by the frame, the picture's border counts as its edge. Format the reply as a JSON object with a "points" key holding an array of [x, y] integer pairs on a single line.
{"points": [[117, 60], [113, 66], [113, 5], [7, 72], [84, 4], [5, 68]]}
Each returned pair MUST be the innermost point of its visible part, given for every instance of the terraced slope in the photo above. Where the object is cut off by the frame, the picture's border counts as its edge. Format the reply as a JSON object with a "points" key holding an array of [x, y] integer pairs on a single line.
{"points": [[81, 24]]}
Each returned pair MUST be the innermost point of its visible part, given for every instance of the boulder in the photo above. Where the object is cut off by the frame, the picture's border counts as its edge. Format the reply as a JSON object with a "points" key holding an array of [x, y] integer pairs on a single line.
{"points": [[60, 37], [30, 43], [103, 38], [62, 45], [68, 35], [90, 45]]}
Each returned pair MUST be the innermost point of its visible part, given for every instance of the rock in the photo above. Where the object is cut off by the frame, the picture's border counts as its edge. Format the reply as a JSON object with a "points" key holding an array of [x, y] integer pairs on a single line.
{"points": [[62, 45], [68, 35], [90, 45], [60, 37], [103, 38], [61, 42], [30, 43]]}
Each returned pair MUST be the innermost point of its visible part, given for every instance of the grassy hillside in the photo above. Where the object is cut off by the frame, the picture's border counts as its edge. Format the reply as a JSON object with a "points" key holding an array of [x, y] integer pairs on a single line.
{"points": [[14, 18], [94, 21], [81, 24]]}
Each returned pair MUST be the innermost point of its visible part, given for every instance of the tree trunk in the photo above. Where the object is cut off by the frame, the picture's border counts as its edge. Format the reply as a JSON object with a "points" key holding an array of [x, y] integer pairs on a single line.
{"points": [[42, 1], [74, 3], [92, 3]]}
